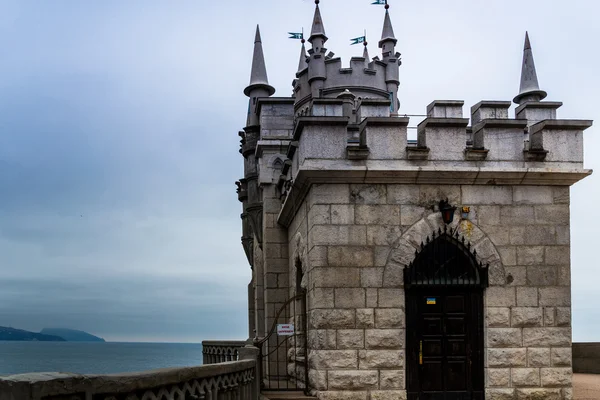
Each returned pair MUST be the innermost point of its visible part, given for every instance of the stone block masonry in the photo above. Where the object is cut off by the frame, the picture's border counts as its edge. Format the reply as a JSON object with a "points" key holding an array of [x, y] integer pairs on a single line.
{"points": [[338, 205], [357, 247]]}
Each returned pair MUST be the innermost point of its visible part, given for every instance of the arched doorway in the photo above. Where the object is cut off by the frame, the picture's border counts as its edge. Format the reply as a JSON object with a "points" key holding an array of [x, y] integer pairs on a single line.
{"points": [[444, 312]]}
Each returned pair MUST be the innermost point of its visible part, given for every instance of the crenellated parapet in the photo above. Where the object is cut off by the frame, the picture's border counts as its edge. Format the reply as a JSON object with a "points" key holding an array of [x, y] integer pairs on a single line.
{"points": [[363, 78], [489, 147], [322, 75]]}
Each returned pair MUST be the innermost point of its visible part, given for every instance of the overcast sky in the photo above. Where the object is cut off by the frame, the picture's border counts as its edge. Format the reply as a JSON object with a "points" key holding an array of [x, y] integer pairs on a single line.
{"points": [[119, 146]]}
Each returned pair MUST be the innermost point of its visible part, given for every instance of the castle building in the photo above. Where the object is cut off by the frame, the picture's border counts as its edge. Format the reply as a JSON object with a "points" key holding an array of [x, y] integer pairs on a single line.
{"points": [[384, 268]]}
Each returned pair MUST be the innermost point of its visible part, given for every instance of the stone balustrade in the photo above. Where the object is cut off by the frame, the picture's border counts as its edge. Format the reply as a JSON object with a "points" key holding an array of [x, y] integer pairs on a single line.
{"points": [[219, 351], [227, 380]]}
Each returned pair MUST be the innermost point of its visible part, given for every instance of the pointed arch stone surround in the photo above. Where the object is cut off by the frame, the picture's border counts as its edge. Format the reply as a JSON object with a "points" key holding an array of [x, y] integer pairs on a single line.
{"points": [[403, 250]]}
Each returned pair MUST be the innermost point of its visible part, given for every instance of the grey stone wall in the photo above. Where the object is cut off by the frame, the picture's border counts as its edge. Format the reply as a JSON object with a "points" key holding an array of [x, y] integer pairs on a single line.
{"points": [[357, 238]]}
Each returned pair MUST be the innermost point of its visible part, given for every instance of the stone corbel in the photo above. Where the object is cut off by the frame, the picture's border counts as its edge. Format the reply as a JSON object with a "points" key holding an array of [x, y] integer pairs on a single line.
{"points": [[255, 214], [247, 239], [242, 190], [248, 244]]}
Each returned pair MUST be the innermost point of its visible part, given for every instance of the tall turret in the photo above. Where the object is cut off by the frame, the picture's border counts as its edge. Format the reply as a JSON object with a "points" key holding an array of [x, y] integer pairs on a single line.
{"points": [[530, 88], [259, 83], [316, 62], [391, 58]]}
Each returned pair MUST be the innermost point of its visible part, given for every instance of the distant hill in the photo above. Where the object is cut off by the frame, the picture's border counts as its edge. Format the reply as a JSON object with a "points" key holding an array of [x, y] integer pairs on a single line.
{"points": [[26, 336], [72, 335]]}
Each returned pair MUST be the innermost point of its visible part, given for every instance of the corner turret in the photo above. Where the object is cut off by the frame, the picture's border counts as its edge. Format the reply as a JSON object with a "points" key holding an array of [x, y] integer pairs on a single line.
{"points": [[316, 62], [259, 82], [392, 60]]}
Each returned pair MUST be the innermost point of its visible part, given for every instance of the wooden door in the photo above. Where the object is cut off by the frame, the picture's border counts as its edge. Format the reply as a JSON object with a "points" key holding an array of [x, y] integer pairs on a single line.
{"points": [[444, 344]]}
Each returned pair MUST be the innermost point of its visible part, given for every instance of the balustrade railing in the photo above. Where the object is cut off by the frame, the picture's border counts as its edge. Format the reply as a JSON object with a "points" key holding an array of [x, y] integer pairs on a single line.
{"points": [[230, 380], [219, 351]]}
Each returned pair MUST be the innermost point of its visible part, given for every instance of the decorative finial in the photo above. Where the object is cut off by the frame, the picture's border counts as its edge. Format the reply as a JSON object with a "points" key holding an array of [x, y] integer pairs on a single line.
{"points": [[318, 30], [258, 76], [527, 42], [388, 30], [530, 88]]}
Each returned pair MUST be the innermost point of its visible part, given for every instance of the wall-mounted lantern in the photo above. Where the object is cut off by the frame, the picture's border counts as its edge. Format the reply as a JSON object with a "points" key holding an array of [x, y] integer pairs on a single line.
{"points": [[447, 211]]}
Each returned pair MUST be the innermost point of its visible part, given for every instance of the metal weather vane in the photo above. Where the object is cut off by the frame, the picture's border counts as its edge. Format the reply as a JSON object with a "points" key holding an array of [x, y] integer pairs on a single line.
{"points": [[296, 35]]}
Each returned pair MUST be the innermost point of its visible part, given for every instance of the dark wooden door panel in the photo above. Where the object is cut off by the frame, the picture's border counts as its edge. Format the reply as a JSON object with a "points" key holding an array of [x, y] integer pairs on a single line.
{"points": [[444, 344]]}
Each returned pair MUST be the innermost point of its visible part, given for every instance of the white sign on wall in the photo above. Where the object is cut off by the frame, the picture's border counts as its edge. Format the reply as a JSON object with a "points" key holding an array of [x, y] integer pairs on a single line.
{"points": [[285, 329]]}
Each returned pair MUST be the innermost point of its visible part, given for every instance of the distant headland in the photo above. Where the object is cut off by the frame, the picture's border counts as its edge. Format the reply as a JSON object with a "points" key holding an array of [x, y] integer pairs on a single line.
{"points": [[47, 335], [72, 335]]}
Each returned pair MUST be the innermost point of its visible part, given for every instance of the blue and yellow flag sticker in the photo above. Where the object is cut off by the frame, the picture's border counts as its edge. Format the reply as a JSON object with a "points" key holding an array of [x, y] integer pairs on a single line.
{"points": [[431, 301]]}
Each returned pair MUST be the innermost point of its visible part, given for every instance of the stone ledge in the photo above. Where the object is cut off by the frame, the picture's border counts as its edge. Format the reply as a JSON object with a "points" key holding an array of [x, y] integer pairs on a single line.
{"points": [[437, 175], [562, 124], [271, 144], [443, 123], [535, 155], [490, 104], [273, 100], [553, 105], [500, 123], [476, 154], [318, 121], [355, 152], [386, 121], [417, 153], [375, 102]]}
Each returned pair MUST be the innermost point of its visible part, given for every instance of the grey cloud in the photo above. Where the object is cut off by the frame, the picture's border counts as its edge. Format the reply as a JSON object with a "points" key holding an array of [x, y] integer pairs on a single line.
{"points": [[118, 142]]}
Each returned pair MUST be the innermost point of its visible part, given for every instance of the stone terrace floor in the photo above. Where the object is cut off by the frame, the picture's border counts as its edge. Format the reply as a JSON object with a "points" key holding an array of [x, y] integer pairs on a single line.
{"points": [[586, 387]]}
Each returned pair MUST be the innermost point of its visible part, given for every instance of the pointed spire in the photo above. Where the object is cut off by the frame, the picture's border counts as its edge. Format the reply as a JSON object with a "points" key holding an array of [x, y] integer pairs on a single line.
{"points": [[366, 54], [258, 76], [530, 88], [318, 29], [388, 29], [302, 64]]}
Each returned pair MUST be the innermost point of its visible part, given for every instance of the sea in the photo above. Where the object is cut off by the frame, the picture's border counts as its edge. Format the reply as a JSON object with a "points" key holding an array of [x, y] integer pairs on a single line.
{"points": [[95, 358]]}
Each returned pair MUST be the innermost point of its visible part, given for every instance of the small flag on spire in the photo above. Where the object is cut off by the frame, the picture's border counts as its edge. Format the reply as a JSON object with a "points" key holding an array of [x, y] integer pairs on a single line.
{"points": [[379, 3], [295, 35], [360, 39]]}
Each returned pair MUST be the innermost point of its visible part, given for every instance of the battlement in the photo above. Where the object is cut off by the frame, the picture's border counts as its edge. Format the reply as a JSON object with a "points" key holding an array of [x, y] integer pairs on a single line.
{"points": [[365, 79], [445, 135]]}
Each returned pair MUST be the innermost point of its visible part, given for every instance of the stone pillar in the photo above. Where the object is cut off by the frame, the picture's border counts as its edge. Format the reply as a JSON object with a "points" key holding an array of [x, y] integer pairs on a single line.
{"points": [[251, 313], [276, 275], [252, 353]]}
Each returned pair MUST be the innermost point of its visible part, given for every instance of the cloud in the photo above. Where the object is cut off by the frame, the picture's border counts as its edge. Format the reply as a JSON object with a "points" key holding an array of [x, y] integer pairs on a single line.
{"points": [[119, 147]]}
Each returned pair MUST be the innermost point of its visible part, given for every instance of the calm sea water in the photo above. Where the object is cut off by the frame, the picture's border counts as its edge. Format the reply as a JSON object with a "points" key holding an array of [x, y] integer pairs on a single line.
{"points": [[95, 358]]}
